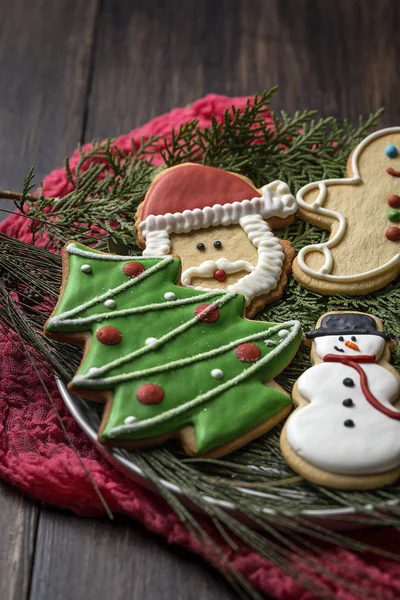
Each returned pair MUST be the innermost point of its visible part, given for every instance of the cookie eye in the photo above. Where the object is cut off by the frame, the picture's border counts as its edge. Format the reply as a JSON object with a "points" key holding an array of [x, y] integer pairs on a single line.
{"points": [[391, 151], [353, 338], [341, 339], [200, 246], [218, 244]]}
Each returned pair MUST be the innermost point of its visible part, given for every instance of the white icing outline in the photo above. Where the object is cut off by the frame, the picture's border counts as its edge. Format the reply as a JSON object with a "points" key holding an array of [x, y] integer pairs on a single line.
{"points": [[316, 206], [202, 398], [276, 200]]}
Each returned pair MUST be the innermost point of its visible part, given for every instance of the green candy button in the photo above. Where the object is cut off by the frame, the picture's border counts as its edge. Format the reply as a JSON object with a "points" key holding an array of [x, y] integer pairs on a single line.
{"points": [[394, 215]]}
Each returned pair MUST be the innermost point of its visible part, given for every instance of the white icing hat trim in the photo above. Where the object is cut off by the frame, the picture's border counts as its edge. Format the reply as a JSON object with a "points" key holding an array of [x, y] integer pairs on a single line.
{"points": [[323, 247], [275, 201]]}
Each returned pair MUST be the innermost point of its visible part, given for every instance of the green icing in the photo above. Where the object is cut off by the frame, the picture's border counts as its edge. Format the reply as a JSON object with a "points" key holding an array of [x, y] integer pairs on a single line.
{"points": [[243, 401]]}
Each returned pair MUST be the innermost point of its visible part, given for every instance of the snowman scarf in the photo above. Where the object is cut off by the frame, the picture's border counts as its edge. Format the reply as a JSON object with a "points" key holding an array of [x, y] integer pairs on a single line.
{"points": [[353, 361]]}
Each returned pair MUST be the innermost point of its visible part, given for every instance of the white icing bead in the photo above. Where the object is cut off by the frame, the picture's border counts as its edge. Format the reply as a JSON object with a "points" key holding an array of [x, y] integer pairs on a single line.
{"points": [[86, 269], [130, 420], [110, 303], [170, 296], [150, 341], [93, 372], [269, 343], [217, 373], [283, 333]]}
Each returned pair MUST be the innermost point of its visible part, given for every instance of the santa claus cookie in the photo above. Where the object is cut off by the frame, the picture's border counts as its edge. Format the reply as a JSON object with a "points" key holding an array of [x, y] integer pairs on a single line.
{"points": [[345, 431], [220, 226], [362, 213]]}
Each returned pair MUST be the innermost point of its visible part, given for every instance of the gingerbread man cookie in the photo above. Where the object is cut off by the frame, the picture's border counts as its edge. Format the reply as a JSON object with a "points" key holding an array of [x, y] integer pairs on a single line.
{"points": [[362, 213], [345, 432], [220, 226]]}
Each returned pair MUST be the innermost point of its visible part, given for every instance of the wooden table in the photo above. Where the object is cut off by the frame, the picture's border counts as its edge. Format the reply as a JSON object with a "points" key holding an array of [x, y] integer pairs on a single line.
{"points": [[71, 71]]}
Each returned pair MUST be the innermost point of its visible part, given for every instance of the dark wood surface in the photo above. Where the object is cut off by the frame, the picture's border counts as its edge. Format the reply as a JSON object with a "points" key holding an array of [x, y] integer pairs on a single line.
{"points": [[71, 71]]}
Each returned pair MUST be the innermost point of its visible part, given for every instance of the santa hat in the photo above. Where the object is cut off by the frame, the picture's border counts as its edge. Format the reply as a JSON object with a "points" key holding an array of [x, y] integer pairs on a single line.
{"points": [[190, 197]]}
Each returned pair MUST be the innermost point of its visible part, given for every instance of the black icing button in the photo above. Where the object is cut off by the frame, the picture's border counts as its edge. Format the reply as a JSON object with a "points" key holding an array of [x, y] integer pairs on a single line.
{"points": [[348, 403], [349, 423], [348, 382]]}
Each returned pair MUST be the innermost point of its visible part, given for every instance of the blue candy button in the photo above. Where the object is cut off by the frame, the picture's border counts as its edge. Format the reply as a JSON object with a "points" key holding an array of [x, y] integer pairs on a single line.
{"points": [[391, 151]]}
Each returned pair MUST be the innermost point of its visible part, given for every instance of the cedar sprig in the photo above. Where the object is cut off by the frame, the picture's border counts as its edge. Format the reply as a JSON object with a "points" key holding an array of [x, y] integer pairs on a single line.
{"points": [[108, 182]]}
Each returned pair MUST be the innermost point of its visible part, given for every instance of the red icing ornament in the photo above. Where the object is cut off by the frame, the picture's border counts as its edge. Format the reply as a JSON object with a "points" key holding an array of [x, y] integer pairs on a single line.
{"points": [[248, 352], [150, 393], [109, 335], [220, 275], [195, 186], [393, 234], [394, 201], [133, 269], [209, 316]]}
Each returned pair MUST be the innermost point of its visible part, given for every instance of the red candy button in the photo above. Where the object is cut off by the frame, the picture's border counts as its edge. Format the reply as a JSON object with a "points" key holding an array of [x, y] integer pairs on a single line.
{"points": [[133, 269], [394, 201], [393, 234], [150, 393], [208, 316], [248, 352], [109, 335], [220, 275]]}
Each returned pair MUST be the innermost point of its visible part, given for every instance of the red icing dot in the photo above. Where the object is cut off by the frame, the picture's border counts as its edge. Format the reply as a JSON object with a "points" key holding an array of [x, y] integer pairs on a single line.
{"points": [[393, 234], [209, 316], [220, 275], [133, 269], [394, 201], [150, 393], [248, 352], [109, 335]]}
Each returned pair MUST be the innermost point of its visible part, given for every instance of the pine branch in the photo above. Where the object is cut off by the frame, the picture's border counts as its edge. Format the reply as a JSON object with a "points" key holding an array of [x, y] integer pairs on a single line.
{"points": [[108, 183]]}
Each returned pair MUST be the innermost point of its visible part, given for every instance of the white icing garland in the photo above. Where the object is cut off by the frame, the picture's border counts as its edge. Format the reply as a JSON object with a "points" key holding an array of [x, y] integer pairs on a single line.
{"points": [[90, 380], [61, 320], [202, 398], [316, 206], [118, 362]]}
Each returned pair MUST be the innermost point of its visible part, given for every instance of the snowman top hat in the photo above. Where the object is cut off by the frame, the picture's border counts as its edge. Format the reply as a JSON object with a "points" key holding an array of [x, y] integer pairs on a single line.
{"points": [[347, 324]]}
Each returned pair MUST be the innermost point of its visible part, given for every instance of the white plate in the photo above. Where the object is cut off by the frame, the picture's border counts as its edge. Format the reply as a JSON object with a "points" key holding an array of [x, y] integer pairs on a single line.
{"points": [[89, 421]]}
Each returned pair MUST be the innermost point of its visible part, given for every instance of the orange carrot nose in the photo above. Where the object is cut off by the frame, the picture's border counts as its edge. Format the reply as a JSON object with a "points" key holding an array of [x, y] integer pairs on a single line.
{"points": [[352, 345]]}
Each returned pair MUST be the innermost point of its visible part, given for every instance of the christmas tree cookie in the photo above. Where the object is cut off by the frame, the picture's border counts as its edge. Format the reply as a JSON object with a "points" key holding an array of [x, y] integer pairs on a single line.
{"points": [[220, 225], [345, 432], [169, 361], [362, 213]]}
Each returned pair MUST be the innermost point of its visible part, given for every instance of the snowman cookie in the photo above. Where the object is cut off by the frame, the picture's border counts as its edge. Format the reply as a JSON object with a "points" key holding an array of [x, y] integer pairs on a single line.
{"points": [[345, 431], [220, 226], [362, 213]]}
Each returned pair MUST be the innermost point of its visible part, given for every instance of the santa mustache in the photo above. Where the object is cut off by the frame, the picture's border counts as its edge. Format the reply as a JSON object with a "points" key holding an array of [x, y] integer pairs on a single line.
{"points": [[216, 268]]}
